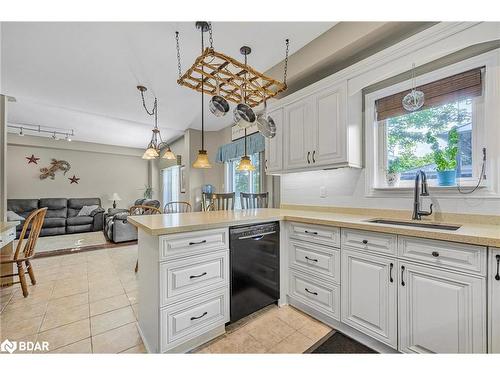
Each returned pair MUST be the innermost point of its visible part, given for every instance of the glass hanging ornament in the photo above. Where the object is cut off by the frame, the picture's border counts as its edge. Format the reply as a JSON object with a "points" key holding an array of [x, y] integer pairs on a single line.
{"points": [[415, 98]]}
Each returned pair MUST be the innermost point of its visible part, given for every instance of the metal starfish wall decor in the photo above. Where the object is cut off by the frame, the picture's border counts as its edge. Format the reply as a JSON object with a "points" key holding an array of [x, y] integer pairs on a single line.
{"points": [[32, 159], [74, 179]]}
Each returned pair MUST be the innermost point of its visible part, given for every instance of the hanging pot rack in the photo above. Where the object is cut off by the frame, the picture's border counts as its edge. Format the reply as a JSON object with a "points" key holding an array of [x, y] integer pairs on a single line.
{"points": [[225, 75]]}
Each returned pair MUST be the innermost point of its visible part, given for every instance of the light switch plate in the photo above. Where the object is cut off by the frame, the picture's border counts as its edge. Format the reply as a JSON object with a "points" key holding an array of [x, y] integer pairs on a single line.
{"points": [[322, 192]]}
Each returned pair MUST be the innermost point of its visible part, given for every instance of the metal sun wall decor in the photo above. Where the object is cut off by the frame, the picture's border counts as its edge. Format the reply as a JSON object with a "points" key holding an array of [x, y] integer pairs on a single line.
{"points": [[55, 165]]}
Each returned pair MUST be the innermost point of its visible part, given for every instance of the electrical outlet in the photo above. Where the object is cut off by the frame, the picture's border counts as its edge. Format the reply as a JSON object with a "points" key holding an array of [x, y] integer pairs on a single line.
{"points": [[322, 192]]}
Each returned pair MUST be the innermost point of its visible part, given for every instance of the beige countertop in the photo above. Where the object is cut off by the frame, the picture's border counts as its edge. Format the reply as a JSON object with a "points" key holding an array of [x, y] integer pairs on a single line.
{"points": [[478, 234], [6, 225]]}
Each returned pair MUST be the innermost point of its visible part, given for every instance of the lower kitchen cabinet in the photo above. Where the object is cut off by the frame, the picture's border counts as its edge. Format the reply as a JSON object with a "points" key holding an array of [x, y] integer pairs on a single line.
{"points": [[494, 300], [369, 295], [440, 311]]}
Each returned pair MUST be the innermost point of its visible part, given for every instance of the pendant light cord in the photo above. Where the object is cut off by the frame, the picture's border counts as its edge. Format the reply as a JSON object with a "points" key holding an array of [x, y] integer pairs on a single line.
{"points": [[202, 92]]}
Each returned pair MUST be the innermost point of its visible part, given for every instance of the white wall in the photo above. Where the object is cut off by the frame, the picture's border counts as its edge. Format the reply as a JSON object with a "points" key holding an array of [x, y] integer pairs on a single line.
{"points": [[346, 187], [102, 170]]}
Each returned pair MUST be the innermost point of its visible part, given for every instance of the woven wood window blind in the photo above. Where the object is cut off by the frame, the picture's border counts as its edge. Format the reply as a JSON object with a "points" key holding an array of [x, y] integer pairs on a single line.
{"points": [[463, 85]]}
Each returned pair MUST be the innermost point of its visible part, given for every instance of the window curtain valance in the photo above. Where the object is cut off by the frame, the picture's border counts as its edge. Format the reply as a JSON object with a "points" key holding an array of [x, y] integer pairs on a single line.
{"points": [[463, 85], [236, 149]]}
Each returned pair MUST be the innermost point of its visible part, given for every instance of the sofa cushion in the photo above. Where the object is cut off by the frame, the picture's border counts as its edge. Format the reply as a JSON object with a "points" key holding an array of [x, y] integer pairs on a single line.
{"points": [[79, 228], [54, 222], [151, 203], [12, 216], [56, 207], [76, 204], [79, 220], [22, 207]]}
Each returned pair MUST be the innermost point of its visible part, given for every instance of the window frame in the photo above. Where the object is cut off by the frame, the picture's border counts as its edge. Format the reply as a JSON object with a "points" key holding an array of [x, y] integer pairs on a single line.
{"points": [[484, 134]]}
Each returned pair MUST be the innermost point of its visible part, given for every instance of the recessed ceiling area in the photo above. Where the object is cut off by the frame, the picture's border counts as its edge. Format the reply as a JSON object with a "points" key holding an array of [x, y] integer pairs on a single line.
{"points": [[83, 76]]}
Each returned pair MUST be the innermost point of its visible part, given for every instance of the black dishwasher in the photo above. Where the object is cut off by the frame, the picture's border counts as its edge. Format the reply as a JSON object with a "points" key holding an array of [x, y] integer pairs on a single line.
{"points": [[255, 264]]}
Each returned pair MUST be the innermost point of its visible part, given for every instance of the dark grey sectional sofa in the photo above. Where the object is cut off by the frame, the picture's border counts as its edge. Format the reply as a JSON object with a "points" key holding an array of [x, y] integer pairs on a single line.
{"points": [[62, 214]]}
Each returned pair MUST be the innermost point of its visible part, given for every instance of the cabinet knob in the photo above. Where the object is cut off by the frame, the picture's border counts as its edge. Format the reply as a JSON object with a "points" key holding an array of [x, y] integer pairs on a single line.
{"points": [[365, 242], [435, 254]]}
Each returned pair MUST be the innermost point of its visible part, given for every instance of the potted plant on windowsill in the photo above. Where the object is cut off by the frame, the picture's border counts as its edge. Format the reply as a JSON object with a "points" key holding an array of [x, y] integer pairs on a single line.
{"points": [[393, 173], [445, 159]]}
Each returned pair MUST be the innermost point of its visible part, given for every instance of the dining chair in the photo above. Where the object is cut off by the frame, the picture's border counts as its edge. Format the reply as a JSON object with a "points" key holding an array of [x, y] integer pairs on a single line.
{"points": [[24, 253], [254, 200], [177, 208], [140, 209], [217, 201]]}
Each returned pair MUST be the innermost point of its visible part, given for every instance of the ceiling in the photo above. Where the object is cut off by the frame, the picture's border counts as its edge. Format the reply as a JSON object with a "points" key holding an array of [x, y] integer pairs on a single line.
{"points": [[83, 75]]}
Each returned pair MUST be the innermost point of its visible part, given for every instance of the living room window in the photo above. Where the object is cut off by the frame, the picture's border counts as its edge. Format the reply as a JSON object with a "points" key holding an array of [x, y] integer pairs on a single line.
{"points": [[448, 133]]}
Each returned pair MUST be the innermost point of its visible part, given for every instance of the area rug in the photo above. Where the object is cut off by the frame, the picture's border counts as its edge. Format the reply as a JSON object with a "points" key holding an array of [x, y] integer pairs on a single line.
{"points": [[73, 242], [338, 343]]}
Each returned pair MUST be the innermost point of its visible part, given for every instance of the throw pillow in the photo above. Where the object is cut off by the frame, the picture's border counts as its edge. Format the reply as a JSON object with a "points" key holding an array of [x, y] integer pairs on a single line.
{"points": [[86, 210], [12, 216]]}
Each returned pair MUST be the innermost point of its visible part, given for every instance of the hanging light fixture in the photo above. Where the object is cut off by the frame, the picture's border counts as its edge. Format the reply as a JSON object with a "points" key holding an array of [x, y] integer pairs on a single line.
{"points": [[156, 144], [245, 162], [202, 161], [415, 98]]}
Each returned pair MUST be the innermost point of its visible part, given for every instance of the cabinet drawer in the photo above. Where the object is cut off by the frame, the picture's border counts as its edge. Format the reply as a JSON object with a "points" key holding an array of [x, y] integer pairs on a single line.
{"points": [[371, 241], [185, 244], [462, 257], [319, 259], [184, 321], [320, 295], [315, 233], [194, 275]]}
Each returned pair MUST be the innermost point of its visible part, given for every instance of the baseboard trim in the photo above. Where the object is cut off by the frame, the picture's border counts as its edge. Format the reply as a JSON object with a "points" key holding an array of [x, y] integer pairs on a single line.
{"points": [[74, 250]]}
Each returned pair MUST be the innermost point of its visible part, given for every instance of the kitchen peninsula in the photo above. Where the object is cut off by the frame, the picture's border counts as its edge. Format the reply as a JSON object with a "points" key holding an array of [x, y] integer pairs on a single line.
{"points": [[391, 287]]}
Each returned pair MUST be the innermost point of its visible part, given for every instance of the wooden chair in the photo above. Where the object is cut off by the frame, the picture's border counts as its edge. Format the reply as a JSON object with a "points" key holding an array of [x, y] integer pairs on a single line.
{"points": [[23, 254], [140, 209], [177, 207], [218, 201], [254, 200]]}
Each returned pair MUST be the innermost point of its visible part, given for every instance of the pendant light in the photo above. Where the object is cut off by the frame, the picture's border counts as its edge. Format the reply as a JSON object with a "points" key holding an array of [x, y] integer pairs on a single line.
{"points": [[415, 98], [156, 144], [202, 161], [245, 162]]}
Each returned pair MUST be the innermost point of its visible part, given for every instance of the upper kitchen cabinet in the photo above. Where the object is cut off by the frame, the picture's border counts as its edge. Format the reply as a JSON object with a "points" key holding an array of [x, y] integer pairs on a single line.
{"points": [[274, 146], [316, 133]]}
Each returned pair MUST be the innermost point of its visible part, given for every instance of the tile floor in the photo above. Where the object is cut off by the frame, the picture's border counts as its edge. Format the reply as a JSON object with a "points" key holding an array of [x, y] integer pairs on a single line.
{"points": [[87, 303]]}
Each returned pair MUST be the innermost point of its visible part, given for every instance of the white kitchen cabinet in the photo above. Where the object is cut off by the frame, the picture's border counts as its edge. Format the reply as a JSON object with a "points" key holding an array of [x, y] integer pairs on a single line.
{"points": [[274, 146], [298, 137], [440, 311], [494, 300], [316, 133], [329, 126], [369, 295]]}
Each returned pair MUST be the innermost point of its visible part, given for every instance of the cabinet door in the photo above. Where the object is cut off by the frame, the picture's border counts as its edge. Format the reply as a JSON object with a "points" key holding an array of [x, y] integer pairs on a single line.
{"points": [[441, 311], [274, 146], [297, 134], [369, 295], [494, 300], [330, 119]]}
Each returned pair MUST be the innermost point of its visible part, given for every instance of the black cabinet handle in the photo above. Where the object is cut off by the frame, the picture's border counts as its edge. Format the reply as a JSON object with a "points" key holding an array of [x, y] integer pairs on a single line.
{"points": [[497, 276], [435, 254], [199, 317], [308, 291], [311, 259], [365, 241], [309, 232], [402, 275], [196, 276], [197, 243], [314, 153], [390, 272], [308, 154]]}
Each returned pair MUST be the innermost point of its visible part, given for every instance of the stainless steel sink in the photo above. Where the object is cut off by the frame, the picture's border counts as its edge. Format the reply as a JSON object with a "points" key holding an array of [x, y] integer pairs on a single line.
{"points": [[420, 224]]}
